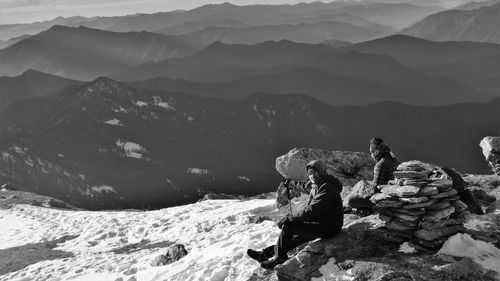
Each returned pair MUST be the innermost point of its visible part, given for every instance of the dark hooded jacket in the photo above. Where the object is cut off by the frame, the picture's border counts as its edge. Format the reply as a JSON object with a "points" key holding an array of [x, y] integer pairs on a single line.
{"points": [[325, 203]]}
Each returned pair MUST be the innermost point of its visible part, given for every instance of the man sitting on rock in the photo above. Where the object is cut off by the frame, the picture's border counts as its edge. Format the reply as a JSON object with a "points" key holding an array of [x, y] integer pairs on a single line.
{"points": [[321, 217]]}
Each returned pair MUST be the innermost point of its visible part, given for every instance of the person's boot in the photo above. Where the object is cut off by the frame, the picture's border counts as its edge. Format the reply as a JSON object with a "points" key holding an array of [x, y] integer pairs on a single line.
{"points": [[259, 256], [272, 263]]}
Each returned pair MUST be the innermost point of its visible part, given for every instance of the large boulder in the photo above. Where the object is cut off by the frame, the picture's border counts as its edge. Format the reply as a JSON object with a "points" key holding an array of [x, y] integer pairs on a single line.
{"points": [[349, 167], [491, 152]]}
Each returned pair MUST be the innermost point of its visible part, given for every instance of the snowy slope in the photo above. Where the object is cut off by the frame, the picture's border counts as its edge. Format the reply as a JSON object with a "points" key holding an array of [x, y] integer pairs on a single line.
{"points": [[216, 234], [120, 245]]}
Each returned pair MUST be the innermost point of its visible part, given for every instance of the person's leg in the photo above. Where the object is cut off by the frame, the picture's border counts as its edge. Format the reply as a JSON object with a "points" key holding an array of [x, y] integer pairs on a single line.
{"points": [[291, 236], [294, 234]]}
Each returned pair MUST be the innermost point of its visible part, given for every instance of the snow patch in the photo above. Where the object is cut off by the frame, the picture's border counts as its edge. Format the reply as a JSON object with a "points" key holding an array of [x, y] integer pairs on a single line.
{"points": [[132, 149], [483, 253], [19, 150], [160, 103], [141, 103], [243, 178], [197, 171], [114, 122], [99, 189], [331, 271], [216, 234]]}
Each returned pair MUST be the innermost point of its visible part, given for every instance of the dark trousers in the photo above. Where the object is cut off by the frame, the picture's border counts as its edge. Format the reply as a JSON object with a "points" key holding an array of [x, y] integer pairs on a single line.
{"points": [[293, 234]]}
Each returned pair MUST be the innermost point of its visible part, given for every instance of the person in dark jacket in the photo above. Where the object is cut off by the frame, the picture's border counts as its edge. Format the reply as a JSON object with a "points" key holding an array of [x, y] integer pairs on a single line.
{"points": [[386, 163], [321, 217]]}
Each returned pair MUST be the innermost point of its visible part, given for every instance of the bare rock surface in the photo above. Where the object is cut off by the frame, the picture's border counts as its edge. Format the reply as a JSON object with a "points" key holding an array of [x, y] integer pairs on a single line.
{"points": [[350, 167]]}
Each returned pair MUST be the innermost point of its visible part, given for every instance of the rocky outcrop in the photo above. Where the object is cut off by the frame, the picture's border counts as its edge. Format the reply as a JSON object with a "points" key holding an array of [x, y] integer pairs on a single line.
{"points": [[491, 152], [173, 253], [349, 167], [364, 250]]}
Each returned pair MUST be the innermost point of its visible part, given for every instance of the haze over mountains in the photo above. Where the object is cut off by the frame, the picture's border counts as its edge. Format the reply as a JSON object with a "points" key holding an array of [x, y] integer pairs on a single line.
{"points": [[476, 23], [204, 100]]}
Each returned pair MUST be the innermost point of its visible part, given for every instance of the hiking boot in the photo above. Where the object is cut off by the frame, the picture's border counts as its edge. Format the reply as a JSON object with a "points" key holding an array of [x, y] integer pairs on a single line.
{"points": [[273, 262], [257, 255]]}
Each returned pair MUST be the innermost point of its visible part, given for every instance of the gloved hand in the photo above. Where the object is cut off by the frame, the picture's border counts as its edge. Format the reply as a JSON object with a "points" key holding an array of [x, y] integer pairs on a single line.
{"points": [[283, 220]]}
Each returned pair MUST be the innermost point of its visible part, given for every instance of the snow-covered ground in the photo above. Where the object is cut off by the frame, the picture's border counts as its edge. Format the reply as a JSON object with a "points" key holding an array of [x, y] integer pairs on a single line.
{"points": [[216, 234]]}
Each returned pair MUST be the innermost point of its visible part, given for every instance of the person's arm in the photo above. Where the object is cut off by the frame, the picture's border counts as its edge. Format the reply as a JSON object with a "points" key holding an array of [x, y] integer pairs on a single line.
{"points": [[320, 203]]}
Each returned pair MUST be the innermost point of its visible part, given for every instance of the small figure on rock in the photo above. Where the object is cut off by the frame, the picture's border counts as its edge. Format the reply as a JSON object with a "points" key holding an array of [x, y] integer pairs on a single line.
{"points": [[321, 217]]}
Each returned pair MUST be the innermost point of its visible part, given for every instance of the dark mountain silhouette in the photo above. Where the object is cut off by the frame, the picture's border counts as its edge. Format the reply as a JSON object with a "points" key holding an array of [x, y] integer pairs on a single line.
{"points": [[30, 84], [472, 63], [12, 41], [108, 145], [83, 53], [304, 32], [272, 67], [480, 25]]}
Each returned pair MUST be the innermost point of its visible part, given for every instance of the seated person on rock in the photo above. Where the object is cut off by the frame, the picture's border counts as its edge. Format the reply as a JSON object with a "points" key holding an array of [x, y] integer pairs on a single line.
{"points": [[383, 171], [321, 217], [386, 162]]}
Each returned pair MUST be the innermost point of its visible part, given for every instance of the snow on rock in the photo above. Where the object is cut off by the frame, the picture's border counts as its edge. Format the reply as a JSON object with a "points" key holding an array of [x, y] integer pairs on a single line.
{"points": [[216, 234], [141, 103], [406, 248], [483, 253], [243, 178], [132, 149], [99, 189], [114, 122], [197, 171], [160, 103]]}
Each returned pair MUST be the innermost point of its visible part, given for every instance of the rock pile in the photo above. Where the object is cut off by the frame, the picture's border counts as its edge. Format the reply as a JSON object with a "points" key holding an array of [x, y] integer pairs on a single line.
{"points": [[419, 209]]}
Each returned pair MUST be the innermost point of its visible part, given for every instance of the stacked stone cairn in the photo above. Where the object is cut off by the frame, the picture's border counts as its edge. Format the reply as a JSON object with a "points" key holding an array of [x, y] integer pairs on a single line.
{"points": [[420, 209]]}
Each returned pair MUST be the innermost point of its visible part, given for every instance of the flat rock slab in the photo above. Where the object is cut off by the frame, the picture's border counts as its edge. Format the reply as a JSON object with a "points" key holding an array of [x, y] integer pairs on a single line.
{"points": [[390, 203], [414, 200], [444, 194], [441, 224], [406, 217], [433, 234], [382, 196], [410, 175], [439, 214], [438, 205], [400, 191], [441, 183], [419, 205], [428, 191]]}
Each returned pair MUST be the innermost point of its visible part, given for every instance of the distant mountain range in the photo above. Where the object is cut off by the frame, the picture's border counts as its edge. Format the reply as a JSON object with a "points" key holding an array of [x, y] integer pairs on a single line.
{"points": [[303, 32], [480, 25], [107, 145], [393, 15], [473, 63], [83, 53]]}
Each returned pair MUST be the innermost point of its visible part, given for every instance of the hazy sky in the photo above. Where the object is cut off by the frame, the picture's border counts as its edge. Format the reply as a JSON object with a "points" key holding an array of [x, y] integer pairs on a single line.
{"points": [[22, 11]]}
